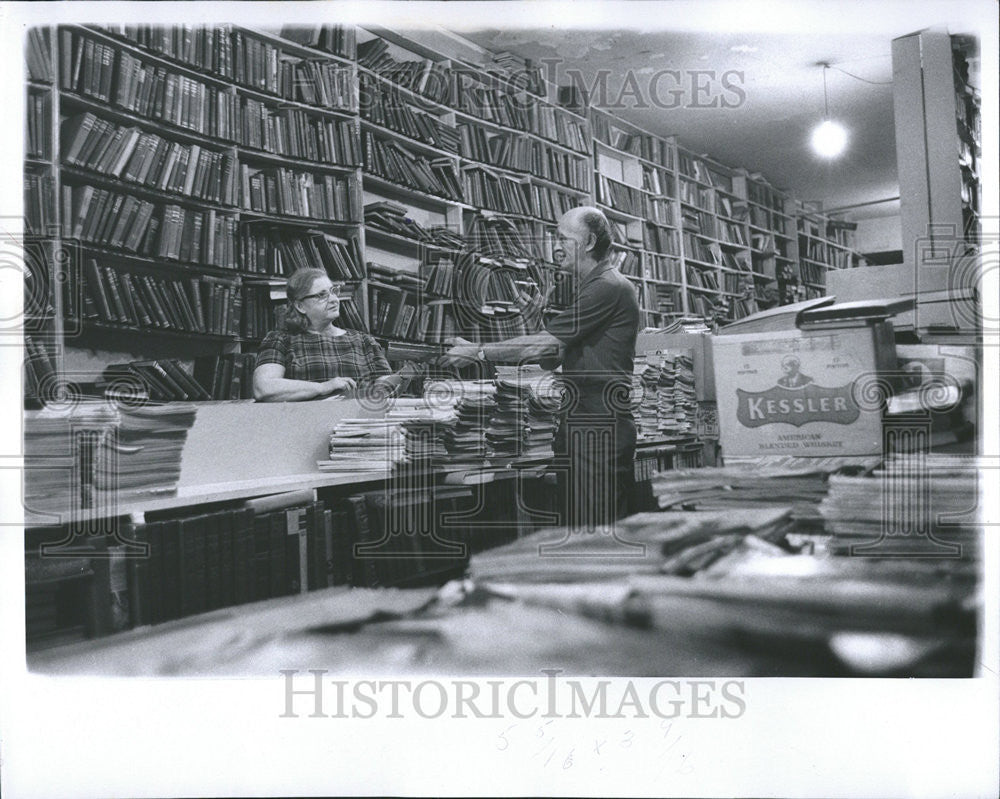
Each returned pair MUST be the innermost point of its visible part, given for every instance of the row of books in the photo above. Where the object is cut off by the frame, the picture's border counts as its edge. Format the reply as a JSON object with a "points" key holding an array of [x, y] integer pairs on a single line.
{"points": [[38, 116], [341, 40], [549, 203], [704, 172], [730, 207], [226, 377], [95, 69], [205, 47], [834, 257], [517, 153], [730, 232], [38, 54], [265, 67], [500, 235], [131, 154], [390, 217], [812, 273], [556, 125], [395, 313], [660, 239], [213, 377], [39, 206], [661, 210], [494, 98], [627, 262], [384, 104], [656, 180], [398, 164], [202, 304], [658, 267], [297, 133], [697, 248], [693, 194], [122, 221], [280, 252], [700, 222], [764, 196], [494, 105], [700, 278], [644, 145], [666, 300], [289, 192], [39, 368], [487, 189], [424, 77], [620, 196]]}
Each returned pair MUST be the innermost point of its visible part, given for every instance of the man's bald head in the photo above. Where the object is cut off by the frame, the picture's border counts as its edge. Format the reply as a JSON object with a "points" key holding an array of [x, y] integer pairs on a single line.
{"points": [[592, 221]]}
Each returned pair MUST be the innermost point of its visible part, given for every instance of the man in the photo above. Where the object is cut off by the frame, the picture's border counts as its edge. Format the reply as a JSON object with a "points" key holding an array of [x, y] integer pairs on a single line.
{"points": [[594, 338], [791, 376]]}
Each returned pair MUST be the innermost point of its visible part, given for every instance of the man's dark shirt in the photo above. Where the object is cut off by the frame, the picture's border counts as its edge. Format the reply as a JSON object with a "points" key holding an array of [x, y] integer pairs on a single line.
{"points": [[599, 331]]}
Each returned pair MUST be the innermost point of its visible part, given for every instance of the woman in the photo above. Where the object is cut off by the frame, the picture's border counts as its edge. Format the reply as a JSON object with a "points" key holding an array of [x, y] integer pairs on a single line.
{"points": [[312, 357]]}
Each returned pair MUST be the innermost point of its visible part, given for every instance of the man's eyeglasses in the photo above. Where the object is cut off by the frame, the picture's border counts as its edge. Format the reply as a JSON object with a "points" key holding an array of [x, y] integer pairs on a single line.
{"points": [[321, 295]]}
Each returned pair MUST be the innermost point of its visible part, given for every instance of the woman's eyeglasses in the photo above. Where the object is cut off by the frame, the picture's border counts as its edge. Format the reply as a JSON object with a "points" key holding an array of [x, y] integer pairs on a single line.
{"points": [[324, 295]]}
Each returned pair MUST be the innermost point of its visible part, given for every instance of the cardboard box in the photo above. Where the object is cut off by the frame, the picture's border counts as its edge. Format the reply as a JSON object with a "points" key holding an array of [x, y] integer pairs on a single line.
{"points": [[803, 392]]}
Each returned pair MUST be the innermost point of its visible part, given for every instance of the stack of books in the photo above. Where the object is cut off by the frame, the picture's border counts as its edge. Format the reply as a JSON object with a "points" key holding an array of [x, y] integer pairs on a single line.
{"points": [[364, 445], [159, 379], [399, 164], [918, 505], [474, 402], [60, 443], [801, 486], [676, 408], [145, 451]]}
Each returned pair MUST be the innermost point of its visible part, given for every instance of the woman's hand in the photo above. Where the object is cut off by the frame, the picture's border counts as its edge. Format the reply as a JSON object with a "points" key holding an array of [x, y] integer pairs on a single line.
{"points": [[337, 384]]}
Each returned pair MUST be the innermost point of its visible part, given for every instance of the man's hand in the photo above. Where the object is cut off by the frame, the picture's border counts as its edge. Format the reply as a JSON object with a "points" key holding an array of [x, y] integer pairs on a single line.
{"points": [[461, 353]]}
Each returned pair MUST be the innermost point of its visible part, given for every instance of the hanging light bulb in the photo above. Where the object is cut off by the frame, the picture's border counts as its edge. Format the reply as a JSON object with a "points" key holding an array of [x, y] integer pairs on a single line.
{"points": [[829, 138]]}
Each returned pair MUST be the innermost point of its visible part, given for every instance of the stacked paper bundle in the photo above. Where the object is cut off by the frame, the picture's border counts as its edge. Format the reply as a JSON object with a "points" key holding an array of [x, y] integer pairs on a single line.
{"points": [[666, 405], [758, 486], [680, 411], [59, 448], [737, 580], [647, 418], [423, 422], [636, 394], [541, 421], [145, 451], [364, 445], [914, 505], [507, 431], [523, 425], [473, 402]]}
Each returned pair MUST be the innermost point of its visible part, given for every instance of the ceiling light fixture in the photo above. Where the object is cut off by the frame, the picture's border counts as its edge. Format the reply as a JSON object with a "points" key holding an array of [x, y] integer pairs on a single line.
{"points": [[829, 138]]}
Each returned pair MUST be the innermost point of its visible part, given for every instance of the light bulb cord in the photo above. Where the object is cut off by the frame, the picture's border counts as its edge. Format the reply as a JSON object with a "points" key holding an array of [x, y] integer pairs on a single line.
{"points": [[826, 104]]}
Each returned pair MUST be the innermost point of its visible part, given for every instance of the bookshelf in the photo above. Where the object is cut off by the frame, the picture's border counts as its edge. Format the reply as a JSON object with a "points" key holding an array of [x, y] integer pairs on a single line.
{"points": [[940, 185], [165, 154], [824, 245], [773, 238], [636, 186], [180, 169], [460, 256], [718, 263]]}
